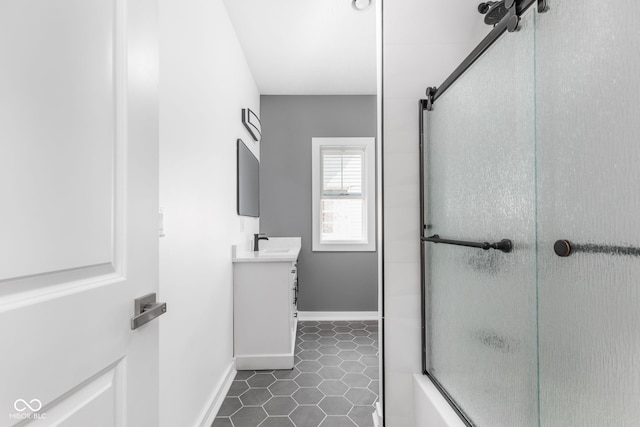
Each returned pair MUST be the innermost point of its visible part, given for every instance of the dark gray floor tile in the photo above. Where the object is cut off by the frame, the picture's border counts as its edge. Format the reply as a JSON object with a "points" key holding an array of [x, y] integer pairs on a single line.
{"points": [[370, 360], [309, 337], [360, 396], [372, 372], [249, 417], [349, 355], [307, 416], [352, 366], [329, 360], [286, 374], [363, 340], [307, 379], [329, 349], [344, 337], [309, 345], [261, 380], [237, 388], [308, 396], [356, 380], [331, 372], [243, 375], [303, 394], [357, 325], [310, 323], [255, 396], [333, 387], [222, 422], [361, 415], [364, 349], [277, 422], [282, 405], [283, 388], [339, 421], [370, 322], [346, 345], [335, 405], [309, 355], [328, 340], [309, 366], [229, 406]]}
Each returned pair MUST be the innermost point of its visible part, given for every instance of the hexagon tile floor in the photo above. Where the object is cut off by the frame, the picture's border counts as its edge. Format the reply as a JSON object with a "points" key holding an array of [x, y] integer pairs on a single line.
{"points": [[334, 382]]}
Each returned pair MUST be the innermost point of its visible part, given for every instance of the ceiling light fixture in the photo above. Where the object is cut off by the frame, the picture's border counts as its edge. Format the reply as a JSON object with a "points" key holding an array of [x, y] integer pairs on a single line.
{"points": [[361, 4]]}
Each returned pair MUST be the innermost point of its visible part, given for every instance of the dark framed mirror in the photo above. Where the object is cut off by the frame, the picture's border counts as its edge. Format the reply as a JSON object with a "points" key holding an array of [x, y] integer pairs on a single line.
{"points": [[248, 182]]}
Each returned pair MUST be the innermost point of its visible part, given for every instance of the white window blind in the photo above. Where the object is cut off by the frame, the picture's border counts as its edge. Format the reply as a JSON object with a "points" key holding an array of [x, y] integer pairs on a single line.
{"points": [[342, 172], [342, 202]]}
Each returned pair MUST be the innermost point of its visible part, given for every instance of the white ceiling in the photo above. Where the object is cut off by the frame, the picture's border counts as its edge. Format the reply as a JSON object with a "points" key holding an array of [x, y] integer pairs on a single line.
{"points": [[307, 47]]}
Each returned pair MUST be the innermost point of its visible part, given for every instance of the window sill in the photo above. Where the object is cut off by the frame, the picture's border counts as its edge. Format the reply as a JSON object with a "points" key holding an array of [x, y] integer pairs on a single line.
{"points": [[343, 247]]}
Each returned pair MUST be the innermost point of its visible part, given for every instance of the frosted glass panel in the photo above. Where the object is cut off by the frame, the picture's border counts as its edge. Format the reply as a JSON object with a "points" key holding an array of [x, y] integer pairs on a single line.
{"points": [[588, 127], [481, 180]]}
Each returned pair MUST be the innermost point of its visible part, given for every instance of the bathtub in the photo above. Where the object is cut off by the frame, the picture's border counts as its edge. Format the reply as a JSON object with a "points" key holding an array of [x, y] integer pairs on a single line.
{"points": [[430, 408]]}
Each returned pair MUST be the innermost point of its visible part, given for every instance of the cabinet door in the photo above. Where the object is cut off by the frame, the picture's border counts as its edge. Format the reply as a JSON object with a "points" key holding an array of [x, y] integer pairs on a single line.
{"points": [[293, 297]]}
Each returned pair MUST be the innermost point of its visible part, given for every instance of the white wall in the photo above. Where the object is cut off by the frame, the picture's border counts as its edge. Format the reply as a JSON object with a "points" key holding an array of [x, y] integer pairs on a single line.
{"points": [[423, 42], [204, 83]]}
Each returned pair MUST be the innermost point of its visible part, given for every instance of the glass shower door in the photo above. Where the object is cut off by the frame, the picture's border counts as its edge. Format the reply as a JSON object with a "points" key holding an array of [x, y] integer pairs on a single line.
{"points": [[588, 156], [481, 305]]}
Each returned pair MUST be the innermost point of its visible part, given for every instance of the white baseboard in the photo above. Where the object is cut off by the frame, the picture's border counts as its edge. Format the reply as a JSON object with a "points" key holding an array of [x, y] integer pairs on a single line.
{"points": [[337, 315], [217, 396]]}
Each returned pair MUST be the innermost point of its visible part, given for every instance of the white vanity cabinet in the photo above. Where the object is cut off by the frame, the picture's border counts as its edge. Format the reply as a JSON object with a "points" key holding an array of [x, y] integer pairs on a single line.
{"points": [[265, 310]]}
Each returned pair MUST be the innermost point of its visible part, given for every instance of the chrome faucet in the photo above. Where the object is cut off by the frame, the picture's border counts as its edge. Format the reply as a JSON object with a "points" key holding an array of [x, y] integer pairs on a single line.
{"points": [[256, 240]]}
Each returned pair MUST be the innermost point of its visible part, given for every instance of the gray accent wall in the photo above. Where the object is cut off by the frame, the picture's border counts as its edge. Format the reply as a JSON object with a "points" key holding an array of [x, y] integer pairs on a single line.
{"points": [[329, 281]]}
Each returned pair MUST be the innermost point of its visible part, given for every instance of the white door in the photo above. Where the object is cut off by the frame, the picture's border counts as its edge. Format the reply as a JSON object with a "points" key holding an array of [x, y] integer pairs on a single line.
{"points": [[78, 211]]}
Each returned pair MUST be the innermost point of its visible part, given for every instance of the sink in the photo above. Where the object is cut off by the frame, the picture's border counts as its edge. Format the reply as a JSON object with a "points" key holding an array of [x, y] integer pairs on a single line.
{"points": [[275, 251]]}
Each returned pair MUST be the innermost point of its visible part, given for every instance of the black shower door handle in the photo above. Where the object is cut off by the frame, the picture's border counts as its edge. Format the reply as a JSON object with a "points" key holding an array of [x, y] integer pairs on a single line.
{"points": [[504, 245], [564, 248]]}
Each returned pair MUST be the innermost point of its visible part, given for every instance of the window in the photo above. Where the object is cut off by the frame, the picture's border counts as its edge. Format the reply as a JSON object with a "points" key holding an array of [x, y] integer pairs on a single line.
{"points": [[343, 183]]}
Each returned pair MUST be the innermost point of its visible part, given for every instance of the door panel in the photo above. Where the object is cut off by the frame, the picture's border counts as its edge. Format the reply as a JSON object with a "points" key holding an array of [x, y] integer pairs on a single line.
{"points": [[588, 154], [57, 119], [481, 338], [78, 176], [99, 401]]}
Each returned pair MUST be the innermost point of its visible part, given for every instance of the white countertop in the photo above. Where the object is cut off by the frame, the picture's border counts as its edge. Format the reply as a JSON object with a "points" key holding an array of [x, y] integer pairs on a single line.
{"points": [[276, 249]]}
